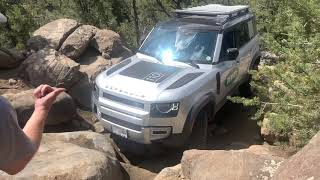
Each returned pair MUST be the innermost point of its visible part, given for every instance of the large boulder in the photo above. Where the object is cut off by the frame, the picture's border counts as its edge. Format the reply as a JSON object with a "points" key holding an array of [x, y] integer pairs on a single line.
{"points": [[10, 58], [72, 156], [51, 67], [170, 173], [227, 165], [109, 44], [136, 173], [78, 41], [53, 34], [63, 108], [91, 64], [91, 140], [302, 165]]}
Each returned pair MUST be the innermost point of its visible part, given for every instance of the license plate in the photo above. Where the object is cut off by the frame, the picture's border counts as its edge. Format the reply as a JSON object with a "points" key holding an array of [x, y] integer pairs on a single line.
{"points": [[120, 131]]}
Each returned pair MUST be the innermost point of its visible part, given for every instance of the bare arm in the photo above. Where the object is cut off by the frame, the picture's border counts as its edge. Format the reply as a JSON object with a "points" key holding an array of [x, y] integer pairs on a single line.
{"points": [[44, 97]]}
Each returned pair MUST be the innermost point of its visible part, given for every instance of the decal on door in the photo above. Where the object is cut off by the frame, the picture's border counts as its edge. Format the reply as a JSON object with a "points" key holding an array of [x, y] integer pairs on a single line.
{"points": [[231, 77]]}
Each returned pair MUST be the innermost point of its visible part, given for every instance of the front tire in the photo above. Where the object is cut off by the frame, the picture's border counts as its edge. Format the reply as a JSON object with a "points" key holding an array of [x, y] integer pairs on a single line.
{"points": [[199, 135]]}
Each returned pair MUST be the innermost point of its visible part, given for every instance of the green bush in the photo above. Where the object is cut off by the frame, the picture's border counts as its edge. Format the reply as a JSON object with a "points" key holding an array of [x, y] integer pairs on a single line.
{"points": [[288, 93]]}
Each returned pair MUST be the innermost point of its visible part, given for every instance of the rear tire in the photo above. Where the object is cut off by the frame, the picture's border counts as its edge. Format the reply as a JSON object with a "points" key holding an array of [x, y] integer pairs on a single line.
{"points": [[199, 135], [245, 89]]}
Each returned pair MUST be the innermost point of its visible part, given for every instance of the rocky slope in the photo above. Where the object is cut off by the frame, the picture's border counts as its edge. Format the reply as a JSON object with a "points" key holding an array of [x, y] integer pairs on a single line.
{"points": [[68, 54]]}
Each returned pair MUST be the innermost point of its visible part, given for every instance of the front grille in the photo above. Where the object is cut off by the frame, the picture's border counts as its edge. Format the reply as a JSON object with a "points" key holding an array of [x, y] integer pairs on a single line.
{"points": [[123, 101], [121, 122]]}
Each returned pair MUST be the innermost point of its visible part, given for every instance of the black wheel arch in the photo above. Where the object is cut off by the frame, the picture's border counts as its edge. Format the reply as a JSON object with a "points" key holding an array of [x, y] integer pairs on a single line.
{"points": [[206, 103]]}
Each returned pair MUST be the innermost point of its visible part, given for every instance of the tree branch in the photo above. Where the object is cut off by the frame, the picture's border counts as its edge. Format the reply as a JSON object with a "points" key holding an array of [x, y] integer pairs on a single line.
{"points": [[163, 9]]}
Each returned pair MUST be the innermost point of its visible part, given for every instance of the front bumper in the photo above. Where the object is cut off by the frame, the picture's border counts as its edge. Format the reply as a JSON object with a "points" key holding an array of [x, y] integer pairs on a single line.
{"points": [[131, 121]]}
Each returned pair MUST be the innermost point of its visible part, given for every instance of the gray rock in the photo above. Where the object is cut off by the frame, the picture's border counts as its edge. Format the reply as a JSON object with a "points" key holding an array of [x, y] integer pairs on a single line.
{"points": [[86, 139], [81, 93], [98, 127], [227, 165], [91, 65], [109, 44], [10, 58], [63, 108], [304, 164], [71, 159], [269, 58], [52, 35], [136, 173], [78, 41], [51, 67], [12, 82], [170, 173]]}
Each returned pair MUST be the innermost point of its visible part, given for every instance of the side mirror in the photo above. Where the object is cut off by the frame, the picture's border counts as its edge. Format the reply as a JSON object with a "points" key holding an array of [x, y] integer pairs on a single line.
{"points": [[3, 19], [232, 53]]}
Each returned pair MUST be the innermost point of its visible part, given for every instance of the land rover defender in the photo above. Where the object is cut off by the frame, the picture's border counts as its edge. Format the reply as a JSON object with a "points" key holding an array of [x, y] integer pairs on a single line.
{"points": [[180, 77]]}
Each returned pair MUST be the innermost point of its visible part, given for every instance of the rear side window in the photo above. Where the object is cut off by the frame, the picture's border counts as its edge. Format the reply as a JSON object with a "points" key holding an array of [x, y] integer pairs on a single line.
{"points": [[235, 37], [242, 34], [252, 28]]}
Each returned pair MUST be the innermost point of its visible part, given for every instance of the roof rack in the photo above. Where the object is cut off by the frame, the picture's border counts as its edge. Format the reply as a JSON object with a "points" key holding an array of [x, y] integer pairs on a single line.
{"points": [[213, 10]]}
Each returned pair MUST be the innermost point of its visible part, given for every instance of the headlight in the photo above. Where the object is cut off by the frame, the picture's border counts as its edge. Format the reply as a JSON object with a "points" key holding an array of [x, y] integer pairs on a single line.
{"points": [[164, 109]]}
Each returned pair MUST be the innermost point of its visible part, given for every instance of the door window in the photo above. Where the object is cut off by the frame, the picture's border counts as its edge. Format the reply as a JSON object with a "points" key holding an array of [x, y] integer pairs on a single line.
{"points": [[227, 42]]}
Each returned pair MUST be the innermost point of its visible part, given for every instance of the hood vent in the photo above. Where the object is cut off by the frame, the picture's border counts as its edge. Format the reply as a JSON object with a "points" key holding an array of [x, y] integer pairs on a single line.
{"points": [[184, 80], [118, 66], [149, 71]]}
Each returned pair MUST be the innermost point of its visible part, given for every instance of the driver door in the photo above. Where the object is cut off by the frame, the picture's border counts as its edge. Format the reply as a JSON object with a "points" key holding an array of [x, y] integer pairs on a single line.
{"points": [[229, 69]]}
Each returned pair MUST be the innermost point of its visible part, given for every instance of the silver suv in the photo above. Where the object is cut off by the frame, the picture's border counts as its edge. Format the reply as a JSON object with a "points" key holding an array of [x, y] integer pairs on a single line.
{"points": [[180, 77]]}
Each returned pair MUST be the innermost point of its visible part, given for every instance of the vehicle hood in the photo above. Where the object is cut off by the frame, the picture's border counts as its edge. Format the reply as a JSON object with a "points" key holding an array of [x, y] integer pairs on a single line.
{"points": [[144, 79]]}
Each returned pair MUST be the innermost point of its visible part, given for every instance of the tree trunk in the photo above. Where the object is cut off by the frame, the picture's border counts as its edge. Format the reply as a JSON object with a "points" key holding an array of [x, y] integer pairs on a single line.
{"points": [[136, 21]]}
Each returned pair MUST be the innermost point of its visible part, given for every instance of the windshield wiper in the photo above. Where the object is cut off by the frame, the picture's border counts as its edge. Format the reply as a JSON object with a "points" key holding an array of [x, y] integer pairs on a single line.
{"points": [[147, 54], [191, 63]]}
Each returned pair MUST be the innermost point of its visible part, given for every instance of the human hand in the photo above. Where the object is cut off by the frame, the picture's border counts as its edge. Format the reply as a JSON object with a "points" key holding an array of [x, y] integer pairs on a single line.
{"points": [[44, 96]]}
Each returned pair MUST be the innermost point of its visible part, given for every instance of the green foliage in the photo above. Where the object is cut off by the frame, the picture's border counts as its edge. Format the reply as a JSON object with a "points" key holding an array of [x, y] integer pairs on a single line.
{"points": [[289, 92]]}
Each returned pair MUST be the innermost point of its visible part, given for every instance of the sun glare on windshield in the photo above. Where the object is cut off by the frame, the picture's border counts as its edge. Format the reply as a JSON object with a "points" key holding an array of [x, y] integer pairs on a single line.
{"points": [[167, 56], [185, 45]]}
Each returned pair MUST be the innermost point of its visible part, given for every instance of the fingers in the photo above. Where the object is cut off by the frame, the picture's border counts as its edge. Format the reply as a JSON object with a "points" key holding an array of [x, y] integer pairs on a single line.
{"points": [[37, 91], [46, 89], [53, 94]]}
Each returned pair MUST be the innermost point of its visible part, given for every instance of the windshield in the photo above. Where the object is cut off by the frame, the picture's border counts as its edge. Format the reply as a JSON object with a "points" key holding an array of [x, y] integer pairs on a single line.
{"points": [[180, 45]]}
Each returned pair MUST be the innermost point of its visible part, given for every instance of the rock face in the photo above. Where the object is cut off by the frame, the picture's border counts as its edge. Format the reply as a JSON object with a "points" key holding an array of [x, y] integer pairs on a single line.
{"points": [[53, 34], [231, 165], [10, 58], [109, 44], [91, 65], [63, 108], [72, 156], [171, 173], [136, 173], [51, 67], [78, 41], [304, 164], [83, 52]]}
